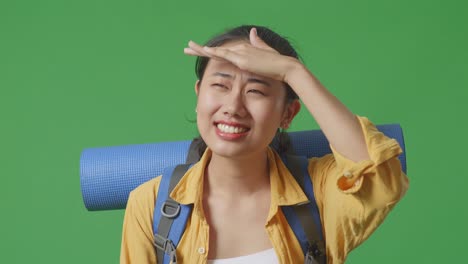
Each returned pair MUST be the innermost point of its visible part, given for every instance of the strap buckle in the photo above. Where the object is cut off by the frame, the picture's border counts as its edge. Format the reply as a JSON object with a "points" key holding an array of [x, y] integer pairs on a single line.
{"points": [[170, 209], [309, 259], [167, 246], [313, 254]]}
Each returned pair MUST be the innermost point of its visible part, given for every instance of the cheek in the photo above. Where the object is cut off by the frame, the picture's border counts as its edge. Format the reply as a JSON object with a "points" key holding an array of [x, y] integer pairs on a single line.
{"points": [[270, 114], [207, 104]]}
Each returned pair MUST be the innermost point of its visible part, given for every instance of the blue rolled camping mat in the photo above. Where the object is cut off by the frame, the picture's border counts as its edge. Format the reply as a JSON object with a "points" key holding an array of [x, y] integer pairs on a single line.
{"points": [[109, 174]]}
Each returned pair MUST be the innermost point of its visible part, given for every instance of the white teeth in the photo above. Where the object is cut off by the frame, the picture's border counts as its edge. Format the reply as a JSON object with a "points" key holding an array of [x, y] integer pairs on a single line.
{"points": [[231, 129]]}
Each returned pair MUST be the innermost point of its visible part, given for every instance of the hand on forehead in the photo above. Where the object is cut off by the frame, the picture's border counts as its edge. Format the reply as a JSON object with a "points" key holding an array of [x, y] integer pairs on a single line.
{"points": [[251, 55]]}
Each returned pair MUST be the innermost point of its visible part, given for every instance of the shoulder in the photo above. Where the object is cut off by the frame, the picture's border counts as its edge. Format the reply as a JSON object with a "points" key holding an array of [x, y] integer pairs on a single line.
{"points": [[137, 233], [144, 196]]}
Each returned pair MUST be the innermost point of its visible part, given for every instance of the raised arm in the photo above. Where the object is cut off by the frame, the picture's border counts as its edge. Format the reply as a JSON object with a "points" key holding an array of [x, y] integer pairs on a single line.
{"points": [[340, 126]]}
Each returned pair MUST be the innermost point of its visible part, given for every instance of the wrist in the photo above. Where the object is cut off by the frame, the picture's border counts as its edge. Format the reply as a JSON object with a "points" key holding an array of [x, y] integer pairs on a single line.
{"points": [[294, 68]]}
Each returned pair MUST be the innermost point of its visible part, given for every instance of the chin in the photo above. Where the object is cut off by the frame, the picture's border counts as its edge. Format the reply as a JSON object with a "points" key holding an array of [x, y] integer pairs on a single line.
{"points": [[228, 146], [229, 150]]}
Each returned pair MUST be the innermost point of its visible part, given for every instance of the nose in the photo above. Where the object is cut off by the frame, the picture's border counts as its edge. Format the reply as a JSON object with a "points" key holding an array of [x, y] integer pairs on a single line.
{"points": [[234, 105]]}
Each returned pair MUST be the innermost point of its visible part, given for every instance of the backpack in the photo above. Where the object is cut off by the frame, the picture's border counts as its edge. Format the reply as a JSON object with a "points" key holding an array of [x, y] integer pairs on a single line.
{"points": [[170, 217]]}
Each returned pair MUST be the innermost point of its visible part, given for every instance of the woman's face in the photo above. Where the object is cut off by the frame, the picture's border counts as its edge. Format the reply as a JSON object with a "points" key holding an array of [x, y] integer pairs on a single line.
{"points": [[238, 113]]}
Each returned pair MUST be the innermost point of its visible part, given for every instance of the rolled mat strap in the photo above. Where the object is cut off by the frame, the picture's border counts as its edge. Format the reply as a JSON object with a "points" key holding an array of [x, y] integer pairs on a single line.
{"points": [[109, 174]]}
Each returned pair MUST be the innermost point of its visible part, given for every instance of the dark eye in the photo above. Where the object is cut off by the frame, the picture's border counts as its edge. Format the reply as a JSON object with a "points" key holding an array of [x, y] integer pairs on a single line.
{"points": [[256, 91], [219, 85]]}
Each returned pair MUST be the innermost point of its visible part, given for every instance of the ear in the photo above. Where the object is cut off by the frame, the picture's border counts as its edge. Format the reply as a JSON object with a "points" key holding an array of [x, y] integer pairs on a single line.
{"points": [[197, 87], [290, 112]]}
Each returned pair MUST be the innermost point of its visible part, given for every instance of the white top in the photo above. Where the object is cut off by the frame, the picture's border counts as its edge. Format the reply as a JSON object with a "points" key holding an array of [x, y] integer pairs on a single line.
{"points": [[263, 257]]}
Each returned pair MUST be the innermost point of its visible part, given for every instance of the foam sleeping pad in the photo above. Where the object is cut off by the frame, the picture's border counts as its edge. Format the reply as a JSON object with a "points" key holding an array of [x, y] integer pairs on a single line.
{"points": [[109, 174]]}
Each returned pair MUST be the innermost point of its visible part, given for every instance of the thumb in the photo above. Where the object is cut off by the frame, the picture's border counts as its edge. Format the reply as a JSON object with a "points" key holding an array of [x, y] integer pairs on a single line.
{"points": [[256, 41]]}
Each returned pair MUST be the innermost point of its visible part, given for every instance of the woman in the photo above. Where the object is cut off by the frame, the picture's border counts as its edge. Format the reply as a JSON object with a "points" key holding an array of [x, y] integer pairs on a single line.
{"points": [[249, 83]]}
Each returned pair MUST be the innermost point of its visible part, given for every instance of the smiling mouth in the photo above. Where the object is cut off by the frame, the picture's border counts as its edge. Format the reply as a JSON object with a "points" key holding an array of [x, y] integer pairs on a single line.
{"points": [[231, 129]]}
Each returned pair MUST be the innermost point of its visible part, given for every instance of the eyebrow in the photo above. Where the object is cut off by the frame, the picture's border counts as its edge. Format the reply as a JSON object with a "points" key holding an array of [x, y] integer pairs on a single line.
{"points": [[254, 80], [222, 74]]}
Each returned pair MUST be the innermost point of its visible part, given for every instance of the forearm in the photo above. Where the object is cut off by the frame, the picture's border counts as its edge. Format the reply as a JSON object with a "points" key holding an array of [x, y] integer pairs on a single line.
{"points": [[338, 123]]}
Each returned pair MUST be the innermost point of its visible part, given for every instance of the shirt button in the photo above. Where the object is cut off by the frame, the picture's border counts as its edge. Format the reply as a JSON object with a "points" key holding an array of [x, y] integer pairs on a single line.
{"points": [[201, 250], [348, 174]]}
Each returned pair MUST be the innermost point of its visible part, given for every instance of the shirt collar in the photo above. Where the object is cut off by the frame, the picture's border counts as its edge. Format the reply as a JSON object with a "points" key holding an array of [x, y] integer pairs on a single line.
{"points": [[284, 188]]}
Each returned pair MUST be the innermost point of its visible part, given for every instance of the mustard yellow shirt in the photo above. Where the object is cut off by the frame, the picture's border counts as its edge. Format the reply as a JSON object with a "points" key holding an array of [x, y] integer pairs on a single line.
{"points": [[353, 200]]}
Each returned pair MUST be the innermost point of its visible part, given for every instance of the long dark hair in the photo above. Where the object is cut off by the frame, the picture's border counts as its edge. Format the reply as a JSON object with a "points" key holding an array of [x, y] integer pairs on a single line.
{"points": [[281, 141]]}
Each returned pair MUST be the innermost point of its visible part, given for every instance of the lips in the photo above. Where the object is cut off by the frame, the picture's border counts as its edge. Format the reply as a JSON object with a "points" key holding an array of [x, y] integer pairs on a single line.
{"points": [[231, 127], [231, 130]]}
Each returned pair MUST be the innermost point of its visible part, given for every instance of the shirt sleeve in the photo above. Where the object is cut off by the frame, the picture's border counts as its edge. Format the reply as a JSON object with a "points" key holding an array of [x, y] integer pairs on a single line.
{"points": [[355, 197], [137, 233]]}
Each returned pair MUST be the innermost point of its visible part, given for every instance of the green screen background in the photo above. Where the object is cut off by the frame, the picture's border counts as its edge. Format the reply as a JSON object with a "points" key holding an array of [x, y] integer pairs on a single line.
{"points": [[92, 73]]}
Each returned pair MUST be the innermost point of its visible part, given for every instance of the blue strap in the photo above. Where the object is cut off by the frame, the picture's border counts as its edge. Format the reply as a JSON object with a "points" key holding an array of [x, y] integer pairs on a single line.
{"points": [[289, 211], [309, 191], [296, 226], [179, 222]]}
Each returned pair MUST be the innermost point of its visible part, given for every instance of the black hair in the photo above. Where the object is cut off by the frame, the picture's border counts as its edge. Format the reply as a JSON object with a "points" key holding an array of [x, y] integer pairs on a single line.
{"points": [[281, 141]]}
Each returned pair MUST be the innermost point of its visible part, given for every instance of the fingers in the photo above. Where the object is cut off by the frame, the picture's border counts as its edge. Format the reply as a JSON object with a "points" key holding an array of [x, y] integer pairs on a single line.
{"points": [[253, 36], [228, 54], [195, 50], [216, 53], [256, 41], [191, 52]]}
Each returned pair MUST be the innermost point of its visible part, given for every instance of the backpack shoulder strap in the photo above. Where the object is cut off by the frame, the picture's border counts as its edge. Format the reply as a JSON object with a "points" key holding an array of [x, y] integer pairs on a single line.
{"points": [[304, 219], [193, 155], [170, 217]]}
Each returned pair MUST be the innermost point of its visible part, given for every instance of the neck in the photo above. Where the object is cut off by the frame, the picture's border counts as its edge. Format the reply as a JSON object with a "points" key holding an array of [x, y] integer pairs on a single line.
{"points": [[238, 176]]}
